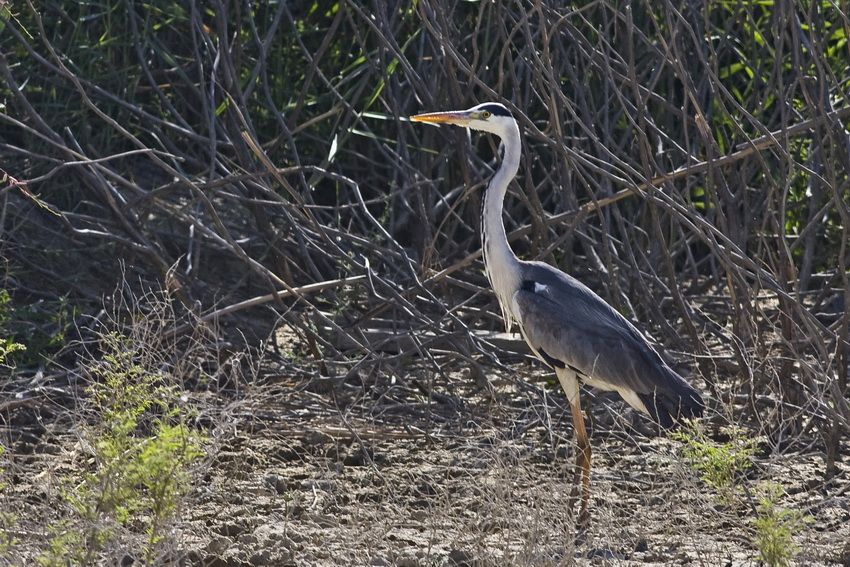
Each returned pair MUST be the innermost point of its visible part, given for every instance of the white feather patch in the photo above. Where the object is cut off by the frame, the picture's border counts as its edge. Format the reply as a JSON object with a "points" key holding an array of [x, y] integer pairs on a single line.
{"points": [[540, 288]]}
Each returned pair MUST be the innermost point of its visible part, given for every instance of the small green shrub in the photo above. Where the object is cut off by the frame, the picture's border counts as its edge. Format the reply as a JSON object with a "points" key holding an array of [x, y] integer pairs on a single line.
{"points": [[8, 345], [31, 333], [66, 546], [7, 519], [142, 455], [717, 463], [775, 528]]}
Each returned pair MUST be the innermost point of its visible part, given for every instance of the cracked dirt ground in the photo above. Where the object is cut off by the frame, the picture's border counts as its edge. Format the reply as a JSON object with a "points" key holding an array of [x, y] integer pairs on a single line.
{"points": [[323, 472]]}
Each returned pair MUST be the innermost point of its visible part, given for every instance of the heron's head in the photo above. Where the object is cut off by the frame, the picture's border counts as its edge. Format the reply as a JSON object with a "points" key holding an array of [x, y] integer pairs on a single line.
{"points": [[489, 117]]}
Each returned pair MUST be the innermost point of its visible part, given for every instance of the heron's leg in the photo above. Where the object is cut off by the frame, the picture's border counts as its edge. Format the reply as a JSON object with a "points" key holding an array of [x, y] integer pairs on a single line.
{"points": [[582, 463], [569, 382]]}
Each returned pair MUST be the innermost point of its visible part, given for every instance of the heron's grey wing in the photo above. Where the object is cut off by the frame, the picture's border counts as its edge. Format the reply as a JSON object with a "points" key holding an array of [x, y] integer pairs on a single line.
{"points": [[567, 324]]}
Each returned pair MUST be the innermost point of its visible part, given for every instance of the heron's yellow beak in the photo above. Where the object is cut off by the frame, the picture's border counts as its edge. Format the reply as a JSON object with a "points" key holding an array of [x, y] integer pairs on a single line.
{"points": [[458, 118]]}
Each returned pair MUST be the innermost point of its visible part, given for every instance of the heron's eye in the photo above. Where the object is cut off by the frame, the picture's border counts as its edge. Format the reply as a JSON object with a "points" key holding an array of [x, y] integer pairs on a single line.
{"points": [[486, 114]]}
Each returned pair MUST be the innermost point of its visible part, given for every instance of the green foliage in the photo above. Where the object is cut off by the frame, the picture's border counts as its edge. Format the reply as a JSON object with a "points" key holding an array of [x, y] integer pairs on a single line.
{"points": [[5, 14], [162, 469], [7, 519], [775, 528], [7, 540], [8, 345], [143, 452], [31, 333], [2, 470], [65, 547], [719, 464]]}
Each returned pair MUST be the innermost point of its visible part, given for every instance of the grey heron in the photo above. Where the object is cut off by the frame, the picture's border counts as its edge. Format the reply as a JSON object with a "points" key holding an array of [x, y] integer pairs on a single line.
{"points": [[568, 327]]}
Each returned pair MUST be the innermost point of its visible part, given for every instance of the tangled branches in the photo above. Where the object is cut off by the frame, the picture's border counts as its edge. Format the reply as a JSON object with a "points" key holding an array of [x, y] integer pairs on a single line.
{"points": [[691, 162]]}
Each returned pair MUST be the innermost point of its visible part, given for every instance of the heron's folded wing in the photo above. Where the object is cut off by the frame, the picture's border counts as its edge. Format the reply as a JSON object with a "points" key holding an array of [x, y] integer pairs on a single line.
{"points": [[582, 332], [586, 339], [585, 333]]}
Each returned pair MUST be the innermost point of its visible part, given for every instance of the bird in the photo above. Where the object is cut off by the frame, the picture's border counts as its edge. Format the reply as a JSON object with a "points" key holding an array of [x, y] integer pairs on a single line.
{"points": [[568, 327]]}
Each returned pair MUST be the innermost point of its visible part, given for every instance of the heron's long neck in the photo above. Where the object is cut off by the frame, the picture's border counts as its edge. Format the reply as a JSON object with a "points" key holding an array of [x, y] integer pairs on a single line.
{"points": [[501, 264]]}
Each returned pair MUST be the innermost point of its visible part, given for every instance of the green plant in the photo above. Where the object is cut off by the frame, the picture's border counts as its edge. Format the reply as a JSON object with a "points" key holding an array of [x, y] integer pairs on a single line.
{"points": [[65, 546], [775, 528], [43, 324], [8, 345], [7, 519], [142, 454], [717, 463]]}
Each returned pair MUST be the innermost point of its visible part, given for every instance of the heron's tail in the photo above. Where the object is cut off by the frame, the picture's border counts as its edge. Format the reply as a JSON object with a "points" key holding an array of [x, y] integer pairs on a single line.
{"points": [[668, 405]]}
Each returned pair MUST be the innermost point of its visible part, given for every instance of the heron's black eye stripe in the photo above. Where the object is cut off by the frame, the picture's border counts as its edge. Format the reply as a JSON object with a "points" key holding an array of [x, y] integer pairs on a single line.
{"points": [[527, 285], [495, 109]]}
